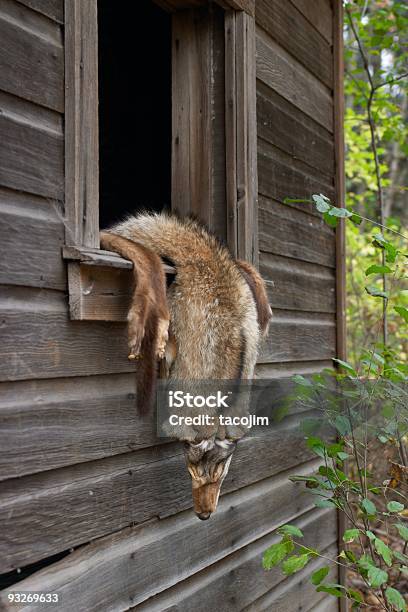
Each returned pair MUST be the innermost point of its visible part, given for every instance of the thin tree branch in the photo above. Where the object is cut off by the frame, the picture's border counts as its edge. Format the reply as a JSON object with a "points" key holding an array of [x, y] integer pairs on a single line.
{"points": [[380, 197], [391, 81]]}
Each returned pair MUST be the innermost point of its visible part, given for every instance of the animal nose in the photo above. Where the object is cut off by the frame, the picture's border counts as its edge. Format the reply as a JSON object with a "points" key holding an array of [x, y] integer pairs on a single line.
{"points": [[203, 516]]}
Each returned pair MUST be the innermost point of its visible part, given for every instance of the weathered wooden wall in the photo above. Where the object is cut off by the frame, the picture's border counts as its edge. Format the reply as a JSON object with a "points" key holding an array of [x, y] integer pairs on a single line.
{"points": [[86, 487], [296, 158]]}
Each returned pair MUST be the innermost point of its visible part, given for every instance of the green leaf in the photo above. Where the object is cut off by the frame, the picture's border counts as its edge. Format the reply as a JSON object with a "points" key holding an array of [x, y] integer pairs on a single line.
{"points": [[402, 311], [290, 530], [350, 535], [339, 212], [350, 556], [365, 562], [377, 577], [346, 366], [330, 220], [380, 242], [394, 506], [317, 446], [319, 575], [356, 219], [402, 530], [375, 292], [384, 551], [306, 550], [375, 269], [301, 380], [401, 557], [395, 598], [342, 424], [355, 595], [322, 203], [332, 589], [368, 507], [294, 564], [276, 553]]}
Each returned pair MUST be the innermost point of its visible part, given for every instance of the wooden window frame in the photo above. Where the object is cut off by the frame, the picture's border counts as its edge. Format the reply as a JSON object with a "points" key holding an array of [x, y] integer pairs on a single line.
{"points": [[91, 270]]}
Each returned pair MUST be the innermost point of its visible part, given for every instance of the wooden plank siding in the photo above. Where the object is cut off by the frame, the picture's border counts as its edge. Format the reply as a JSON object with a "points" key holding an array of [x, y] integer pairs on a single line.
{"points": [[86, 501], [79, 471], [230, 582], [135, 562], [298, 256]]}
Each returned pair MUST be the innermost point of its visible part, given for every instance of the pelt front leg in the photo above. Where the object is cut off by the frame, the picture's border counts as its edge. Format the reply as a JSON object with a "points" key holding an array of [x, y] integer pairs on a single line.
{"points": [[139, 308]]}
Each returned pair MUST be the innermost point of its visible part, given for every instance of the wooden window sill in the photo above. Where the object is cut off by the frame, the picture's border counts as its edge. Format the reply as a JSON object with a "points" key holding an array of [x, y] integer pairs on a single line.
{"points": [[100, 284]]}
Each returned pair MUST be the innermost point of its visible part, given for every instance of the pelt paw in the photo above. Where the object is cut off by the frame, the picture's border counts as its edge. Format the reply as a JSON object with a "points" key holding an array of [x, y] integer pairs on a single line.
{"points": [[135, 336], [162, 337]]}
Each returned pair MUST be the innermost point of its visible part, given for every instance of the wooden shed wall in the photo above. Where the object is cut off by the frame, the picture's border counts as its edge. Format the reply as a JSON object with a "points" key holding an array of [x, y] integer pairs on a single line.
{"points": [[86, 487], [296, 89]]}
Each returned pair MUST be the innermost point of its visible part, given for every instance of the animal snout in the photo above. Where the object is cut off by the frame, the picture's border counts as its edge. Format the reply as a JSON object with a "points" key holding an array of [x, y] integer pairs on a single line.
{"points": [[203, 516]]}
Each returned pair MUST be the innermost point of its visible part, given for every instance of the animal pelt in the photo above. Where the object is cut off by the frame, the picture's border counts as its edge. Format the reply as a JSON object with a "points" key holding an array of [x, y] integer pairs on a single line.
{"points": [[206, 326], [218, 306]]}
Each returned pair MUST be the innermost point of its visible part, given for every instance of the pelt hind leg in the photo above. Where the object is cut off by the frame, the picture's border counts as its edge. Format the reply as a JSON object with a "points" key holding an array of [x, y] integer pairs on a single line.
{"points": [[149, 296]]}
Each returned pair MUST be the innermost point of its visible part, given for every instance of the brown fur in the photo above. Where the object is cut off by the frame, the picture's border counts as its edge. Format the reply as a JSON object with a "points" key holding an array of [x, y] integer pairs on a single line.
{"points": [[148, 317], [257, 286], [218, 310]]}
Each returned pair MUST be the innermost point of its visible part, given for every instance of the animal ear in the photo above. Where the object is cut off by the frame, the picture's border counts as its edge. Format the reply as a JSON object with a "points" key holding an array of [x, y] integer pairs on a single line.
{"points": [[257, 286]]}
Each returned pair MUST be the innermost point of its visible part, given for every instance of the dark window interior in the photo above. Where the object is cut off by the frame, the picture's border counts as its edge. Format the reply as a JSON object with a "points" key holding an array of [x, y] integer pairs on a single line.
{"points": [[134, 109]]}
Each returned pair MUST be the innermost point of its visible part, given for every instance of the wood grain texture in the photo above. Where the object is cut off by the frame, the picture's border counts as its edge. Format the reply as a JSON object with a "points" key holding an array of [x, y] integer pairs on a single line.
{"points": [[136, 563], [96, 257], [296, 337], [99, 294], [231, 131], [340, 178], [100, 285], [281, 72], [284, 126], [281, 371], [31, 159], [296, 285], [54, 9], [338, 20], [239, 5], [81, 123], [39, 341], [238, 579], [319, 14], [52, 511], [292, 233], [49, 424], [31, 114], [198, 121], [291, 30], [31, 237], [31, 65], [281, 176], [246, 143]]}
